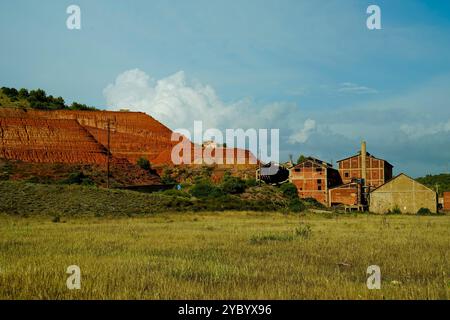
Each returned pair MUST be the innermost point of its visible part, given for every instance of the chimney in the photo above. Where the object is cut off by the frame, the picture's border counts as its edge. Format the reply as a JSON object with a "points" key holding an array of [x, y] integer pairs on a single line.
{"points": [[363, 162]]}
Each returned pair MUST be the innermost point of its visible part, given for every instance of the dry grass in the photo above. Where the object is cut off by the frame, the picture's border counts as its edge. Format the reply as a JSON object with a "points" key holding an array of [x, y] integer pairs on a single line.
{"points": [[227, 255]]}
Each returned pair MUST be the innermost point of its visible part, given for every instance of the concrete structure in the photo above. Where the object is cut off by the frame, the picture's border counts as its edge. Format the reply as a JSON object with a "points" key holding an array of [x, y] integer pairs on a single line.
{"points": [[374, 171], [446, 197], [404, 193], [313, 178]]}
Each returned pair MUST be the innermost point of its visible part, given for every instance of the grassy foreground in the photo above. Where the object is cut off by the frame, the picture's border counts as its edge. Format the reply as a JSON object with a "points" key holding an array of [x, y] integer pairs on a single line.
{"points": [[228, 255]]}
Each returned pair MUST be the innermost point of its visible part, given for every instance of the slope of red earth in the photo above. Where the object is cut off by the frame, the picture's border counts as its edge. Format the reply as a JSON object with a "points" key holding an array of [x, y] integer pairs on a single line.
{"points": [[80, 137]]}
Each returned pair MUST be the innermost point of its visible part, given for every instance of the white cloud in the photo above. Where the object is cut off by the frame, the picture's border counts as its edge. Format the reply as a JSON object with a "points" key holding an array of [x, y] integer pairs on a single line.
{"points": [[353, 88], [177, 102], [171, 100], [303, 135], [420, 130]]}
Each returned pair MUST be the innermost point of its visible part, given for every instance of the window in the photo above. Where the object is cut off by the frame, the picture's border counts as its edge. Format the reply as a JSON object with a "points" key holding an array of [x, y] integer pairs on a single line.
{"points": [[346, 174], [318, 169], [319, 181], [297, 169], [319, 188]]}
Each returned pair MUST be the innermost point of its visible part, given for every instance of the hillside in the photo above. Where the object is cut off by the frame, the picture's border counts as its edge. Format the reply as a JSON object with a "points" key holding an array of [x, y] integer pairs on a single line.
{"points": [[22, 198], [441, 180], [37, 128]]}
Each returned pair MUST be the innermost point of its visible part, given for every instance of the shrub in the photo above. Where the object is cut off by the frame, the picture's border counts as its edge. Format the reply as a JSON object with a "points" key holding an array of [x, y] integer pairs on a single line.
{"points": [[144, 163], [205, 190], [313, 203], [304, 231], [289, 190], [424, 212], [78, 178], [296, 205], [251, 183], [167, 178], [257, 239], [233, 185], [176, 193], [395, 210]]}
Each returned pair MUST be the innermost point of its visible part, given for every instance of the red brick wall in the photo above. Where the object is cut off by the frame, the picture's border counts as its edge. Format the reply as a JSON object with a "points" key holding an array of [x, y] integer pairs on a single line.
{"points": [[446, 200], [377, 171]]}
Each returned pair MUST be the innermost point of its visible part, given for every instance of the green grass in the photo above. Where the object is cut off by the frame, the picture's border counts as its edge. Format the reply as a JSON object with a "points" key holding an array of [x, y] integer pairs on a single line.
{"points": [[28, 199], [212, 255]]}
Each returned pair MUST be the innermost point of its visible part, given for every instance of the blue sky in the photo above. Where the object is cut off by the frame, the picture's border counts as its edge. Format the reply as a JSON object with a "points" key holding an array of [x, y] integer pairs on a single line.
{"points": [[310, 68]]}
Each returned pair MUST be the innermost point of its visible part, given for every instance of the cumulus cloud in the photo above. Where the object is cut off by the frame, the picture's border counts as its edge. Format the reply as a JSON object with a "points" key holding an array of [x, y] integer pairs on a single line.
{"points": [[178, 101], [303, 135], [172, 100]]}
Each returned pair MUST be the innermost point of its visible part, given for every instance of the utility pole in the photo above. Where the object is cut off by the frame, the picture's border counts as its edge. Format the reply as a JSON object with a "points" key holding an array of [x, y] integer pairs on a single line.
{"points": [[108, 128]]}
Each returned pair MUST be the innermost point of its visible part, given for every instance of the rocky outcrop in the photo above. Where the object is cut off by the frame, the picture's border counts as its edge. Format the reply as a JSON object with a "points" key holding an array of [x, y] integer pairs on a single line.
{"points": [[48, 140], [69, 136]]}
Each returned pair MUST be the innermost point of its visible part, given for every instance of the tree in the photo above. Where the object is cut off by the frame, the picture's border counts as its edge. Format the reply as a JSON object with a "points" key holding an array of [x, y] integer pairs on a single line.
{"points": [[23, 93], [289, 190], [144, 163], [301, 158]]}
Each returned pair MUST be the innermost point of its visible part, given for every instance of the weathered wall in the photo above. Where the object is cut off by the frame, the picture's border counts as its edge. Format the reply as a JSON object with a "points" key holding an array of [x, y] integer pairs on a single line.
{"points": [[346, 194], [377, 171], [405, 193], [447, 201], [313, 180]]}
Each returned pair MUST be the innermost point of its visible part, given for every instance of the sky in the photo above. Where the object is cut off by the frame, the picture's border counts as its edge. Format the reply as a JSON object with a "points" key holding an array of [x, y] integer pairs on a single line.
{"points": [[309, 68]]}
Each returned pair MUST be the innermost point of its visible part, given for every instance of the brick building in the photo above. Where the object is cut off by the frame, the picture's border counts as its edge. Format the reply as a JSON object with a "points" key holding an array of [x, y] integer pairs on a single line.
{"points": [[365, 166], [313, 178]]}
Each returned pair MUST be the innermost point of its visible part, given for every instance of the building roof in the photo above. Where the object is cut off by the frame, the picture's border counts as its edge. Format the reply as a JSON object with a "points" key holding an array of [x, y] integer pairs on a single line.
{"points": [[369, 155], [316, 161], [397, 176]]}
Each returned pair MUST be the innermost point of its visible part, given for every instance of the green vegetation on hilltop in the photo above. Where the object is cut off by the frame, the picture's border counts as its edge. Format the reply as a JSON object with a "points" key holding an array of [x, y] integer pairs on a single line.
{"points": [[441, 180], [36, 99]]}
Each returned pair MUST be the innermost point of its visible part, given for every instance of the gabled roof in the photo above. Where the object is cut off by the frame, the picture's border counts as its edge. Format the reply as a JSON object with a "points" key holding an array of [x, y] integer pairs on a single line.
{"points": [[397, 176], [369, 155], [316, 161]]}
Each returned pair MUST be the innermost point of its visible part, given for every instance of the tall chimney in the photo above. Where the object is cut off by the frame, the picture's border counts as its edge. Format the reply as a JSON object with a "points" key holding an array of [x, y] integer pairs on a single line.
{"points": [[363, 162]]}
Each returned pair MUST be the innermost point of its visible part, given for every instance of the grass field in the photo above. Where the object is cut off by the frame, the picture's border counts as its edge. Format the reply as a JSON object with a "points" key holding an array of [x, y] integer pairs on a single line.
{"points": [[227, 255]]}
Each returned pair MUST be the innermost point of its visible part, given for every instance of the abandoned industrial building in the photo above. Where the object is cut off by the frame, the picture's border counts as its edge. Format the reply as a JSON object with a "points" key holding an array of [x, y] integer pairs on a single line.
{"points": [[404, 193], [313, 178], [361, 182]]}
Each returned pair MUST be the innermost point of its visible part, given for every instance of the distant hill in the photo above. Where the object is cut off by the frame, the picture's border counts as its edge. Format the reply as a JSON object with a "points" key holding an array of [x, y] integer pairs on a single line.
{"points": [[36, 99], [442, 180]]}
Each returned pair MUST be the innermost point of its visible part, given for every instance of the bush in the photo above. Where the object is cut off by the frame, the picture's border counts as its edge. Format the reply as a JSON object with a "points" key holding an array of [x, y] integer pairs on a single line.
{"points": [[424, 212], [144, 163], [78, 178], [176, 193], [304, 231], [167, 178], [313, 203], [296, 205], [395, 210], [205, 190], [251, 183], [289, 190], [233, 185]]}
